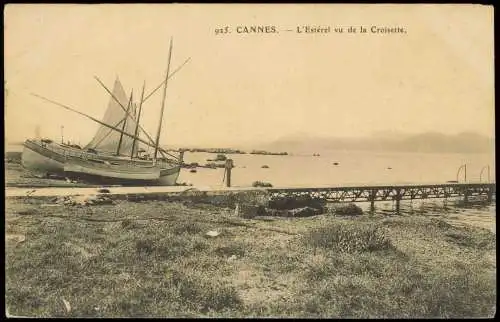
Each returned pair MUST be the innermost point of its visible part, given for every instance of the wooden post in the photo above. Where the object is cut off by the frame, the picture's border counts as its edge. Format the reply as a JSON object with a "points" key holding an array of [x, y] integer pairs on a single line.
{"points": [[398, 198], [490, 194], [372, 201], [228, 167], [466, 196], [181, 156]]}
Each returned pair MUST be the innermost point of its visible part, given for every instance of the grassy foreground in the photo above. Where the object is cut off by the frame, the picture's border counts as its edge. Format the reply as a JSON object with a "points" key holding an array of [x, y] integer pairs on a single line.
{"points": [[154, 259]]}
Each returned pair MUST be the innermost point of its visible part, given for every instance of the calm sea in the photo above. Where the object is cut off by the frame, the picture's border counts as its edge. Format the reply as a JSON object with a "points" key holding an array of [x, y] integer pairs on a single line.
{"points": [[358, 168], [362, 168]]}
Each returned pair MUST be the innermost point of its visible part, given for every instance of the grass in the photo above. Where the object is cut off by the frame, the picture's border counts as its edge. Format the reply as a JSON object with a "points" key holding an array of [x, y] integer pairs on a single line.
{"points": [[154, 259], [349, 237]]}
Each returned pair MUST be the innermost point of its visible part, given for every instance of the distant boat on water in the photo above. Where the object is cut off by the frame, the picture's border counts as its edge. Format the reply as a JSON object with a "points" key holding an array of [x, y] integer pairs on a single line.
{"points": [[114, 154]]}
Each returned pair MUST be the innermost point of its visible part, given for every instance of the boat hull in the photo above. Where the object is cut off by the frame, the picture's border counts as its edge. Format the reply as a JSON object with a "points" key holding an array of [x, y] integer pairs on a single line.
{"points": [[168, 177], [53, 158], [113, 171], [41, 160]]}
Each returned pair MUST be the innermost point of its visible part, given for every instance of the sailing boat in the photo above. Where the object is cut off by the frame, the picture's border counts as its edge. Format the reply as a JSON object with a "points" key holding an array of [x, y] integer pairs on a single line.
{"points": [[113, 154]]}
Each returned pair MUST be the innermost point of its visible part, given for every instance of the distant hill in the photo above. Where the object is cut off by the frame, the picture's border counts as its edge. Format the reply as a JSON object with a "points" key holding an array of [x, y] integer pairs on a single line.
{"points": [[466, 142]]}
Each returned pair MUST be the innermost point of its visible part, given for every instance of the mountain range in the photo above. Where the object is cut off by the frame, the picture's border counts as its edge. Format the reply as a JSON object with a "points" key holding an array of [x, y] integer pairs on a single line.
{"points": [[431, 142], [428, 142]]}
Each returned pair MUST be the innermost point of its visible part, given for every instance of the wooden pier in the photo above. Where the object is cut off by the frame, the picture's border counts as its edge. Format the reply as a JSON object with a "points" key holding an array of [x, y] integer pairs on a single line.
{"points": [[371, 194], [390, 192]]}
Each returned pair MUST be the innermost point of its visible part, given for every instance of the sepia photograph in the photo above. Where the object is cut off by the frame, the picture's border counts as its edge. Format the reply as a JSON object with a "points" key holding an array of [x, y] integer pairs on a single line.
{"points": [[249, 161]]}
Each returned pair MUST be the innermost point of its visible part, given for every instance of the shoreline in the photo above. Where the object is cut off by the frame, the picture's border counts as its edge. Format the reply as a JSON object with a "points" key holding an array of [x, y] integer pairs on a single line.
{"points": [[197, 256]]}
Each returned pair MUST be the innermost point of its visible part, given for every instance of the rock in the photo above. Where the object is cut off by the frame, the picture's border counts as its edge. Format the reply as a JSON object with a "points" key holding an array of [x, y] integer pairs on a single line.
{"points": [[297, 212], [212, 233], [103, 190], [17, 238], [67, 305], [220, 157], [305, 212], [249, 211], [84, 200]]}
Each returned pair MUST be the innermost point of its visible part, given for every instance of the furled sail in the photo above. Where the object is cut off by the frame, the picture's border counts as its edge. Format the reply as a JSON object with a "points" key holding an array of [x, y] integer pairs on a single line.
{"points": [[106, 139]]}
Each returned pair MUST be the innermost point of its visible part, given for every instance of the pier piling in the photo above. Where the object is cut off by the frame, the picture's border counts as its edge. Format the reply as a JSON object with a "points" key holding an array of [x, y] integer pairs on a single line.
{"points": [[466, 196], [398, 199], [228, 167], [373, 193]]}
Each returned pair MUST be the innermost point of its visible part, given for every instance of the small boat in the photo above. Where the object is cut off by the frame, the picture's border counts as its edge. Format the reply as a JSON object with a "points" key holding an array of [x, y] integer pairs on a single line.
{"points": [[113, 155]]}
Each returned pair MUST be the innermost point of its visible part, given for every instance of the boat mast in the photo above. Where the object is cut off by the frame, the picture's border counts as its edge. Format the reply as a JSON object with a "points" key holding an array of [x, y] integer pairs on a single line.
{"points": [[163, 82], [137, 121], [145, 99], [163, 152], [162, 104], [100, 122], [124, 123]]}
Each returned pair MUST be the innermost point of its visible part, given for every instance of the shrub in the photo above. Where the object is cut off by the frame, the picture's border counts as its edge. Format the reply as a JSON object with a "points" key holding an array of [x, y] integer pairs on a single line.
{"points": [[348, 237], [294, 202], [187, 227], [262, 184], [204, 293], [348, 210], [231, 249], [127, 223], [144, 246]]}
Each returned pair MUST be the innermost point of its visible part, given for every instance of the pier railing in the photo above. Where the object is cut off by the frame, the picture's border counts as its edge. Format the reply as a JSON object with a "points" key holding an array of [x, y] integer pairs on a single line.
{"points": [[389, 192]]}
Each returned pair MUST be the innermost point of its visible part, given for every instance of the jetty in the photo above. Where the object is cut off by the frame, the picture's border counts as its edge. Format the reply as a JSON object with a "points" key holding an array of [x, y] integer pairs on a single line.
{"points": [[334, 194]]}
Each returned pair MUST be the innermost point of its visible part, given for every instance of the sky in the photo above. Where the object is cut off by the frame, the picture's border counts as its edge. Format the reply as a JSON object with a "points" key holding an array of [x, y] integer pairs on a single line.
{"points": [[241, 88]]}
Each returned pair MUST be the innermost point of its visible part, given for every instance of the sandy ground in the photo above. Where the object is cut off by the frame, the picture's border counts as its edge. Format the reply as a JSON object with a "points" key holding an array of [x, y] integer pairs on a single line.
{"points": [[17, 176]]}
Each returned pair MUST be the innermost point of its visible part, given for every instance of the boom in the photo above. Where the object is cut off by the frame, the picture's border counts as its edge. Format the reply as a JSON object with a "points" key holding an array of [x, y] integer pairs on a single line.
{"points": [[102, 123]]}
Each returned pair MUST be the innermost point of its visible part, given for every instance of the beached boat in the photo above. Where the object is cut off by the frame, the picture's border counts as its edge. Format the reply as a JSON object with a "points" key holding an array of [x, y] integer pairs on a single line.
{"points": [[114, 154]]}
